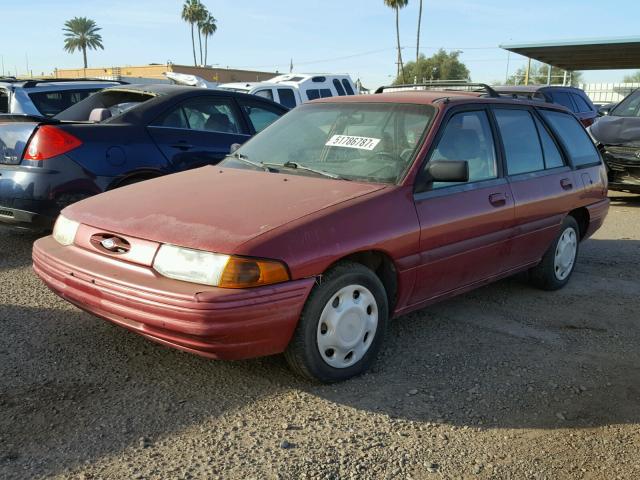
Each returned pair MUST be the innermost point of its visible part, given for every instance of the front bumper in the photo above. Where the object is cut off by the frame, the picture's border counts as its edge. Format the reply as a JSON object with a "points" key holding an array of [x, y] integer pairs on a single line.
{"points": [[623, 168], [212, 322]]}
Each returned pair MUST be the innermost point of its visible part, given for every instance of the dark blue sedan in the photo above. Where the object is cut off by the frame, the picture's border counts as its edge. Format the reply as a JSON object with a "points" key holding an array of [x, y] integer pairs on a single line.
{"points": [[117, 137]]}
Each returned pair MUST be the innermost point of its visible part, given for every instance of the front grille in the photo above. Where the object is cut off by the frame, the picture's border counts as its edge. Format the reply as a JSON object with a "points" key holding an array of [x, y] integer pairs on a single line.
{"points": [[6, 213]]}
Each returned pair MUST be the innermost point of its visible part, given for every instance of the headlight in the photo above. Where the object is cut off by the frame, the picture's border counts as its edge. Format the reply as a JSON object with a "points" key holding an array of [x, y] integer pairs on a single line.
{"points": [[217, 270], [65, 230]]}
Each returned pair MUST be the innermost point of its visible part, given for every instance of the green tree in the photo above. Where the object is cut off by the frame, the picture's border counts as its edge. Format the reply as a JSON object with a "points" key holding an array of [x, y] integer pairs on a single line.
{"points": [[418, 35], [81, 34], [396, 5], [633, 78], [538, 75], [440, 66], [192, 14], [208, 27]]}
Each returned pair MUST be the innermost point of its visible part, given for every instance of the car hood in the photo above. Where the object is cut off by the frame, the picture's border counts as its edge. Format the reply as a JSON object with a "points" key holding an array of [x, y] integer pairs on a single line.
{"points": [[616, 130], [212, 208]]}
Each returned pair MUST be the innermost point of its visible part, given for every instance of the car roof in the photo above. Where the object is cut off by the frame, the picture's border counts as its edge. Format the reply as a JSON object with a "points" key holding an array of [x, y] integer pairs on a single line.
{"points": [[431, 97], [35, 85]]}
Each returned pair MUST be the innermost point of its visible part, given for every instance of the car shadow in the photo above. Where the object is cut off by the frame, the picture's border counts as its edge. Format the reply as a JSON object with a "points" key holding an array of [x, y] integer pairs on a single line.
{"points": [[15, 247], [621, 199], [76, 389]]}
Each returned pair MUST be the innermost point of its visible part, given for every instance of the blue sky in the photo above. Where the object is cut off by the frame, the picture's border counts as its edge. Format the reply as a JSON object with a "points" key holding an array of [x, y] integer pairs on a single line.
{"points": [[356, 36]]}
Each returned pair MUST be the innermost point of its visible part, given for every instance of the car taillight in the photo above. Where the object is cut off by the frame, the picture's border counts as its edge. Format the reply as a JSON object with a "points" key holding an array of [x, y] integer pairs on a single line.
{"points": [[48, 142]]}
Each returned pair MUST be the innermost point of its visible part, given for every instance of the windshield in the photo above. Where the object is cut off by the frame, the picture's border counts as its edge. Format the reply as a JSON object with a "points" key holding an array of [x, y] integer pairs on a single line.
{"points": [[629, 107], [373, 142]]}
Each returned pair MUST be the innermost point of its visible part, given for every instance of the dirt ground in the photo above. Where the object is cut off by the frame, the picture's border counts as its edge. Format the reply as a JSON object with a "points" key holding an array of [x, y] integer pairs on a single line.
{"points": [[504, 382]]}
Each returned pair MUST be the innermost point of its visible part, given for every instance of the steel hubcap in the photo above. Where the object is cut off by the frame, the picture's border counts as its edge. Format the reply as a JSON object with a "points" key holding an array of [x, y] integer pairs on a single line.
{"points": [[347, 326], [565, 253]]}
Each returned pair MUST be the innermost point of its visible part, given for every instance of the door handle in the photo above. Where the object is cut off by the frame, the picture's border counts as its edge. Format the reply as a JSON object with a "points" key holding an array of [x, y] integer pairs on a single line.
{"points": [[497, 199], [182, 146], [566, 183]]}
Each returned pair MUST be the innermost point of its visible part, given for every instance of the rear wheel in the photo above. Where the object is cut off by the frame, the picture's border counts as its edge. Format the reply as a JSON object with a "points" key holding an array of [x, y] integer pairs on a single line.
{"points": [[557, 264], [342, 325]]}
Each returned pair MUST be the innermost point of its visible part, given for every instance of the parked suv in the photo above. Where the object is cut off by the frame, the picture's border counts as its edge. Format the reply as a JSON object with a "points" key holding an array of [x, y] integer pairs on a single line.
{"points": [[573, 98], [45, 98], [344, 213]]}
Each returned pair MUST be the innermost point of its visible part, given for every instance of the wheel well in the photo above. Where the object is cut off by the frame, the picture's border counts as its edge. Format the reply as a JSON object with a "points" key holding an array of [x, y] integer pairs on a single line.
{"points": [[382, 265], [582, 217], [134, 177]]}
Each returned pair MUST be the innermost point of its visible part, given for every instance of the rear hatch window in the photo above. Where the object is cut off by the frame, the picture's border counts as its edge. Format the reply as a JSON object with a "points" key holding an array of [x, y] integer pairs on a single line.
{"points": [[52, 103]]}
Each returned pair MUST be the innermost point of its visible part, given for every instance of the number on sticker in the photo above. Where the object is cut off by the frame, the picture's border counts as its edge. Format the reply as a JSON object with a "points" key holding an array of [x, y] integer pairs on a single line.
{"points": [[350, 141]]}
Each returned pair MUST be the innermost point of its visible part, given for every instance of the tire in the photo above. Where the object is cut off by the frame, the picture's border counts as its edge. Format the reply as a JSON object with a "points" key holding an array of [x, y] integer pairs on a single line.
{"points": [[552, 274], [133, 180], [342, 325]]}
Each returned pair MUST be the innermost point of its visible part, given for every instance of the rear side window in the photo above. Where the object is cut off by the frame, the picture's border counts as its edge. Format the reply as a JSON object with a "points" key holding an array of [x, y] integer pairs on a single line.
{"points": [[573, 137], [287, 97], [563, 99], [347, 87], [338, 85], [552, 156], [208, 114], [580, 102], [520, 139], [322, 93], [52, 103]]}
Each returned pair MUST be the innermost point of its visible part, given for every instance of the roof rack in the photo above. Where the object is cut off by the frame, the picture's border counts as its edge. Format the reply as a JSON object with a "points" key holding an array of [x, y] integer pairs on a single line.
{"points": [[34, 82], [445, 86]]}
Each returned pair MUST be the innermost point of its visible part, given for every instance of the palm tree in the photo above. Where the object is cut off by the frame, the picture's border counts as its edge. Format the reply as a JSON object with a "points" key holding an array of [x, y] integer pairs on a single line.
{"points": [[208, 27], [397, 5], [80, 34], [201, 15], [191, 12], [418, 38]]}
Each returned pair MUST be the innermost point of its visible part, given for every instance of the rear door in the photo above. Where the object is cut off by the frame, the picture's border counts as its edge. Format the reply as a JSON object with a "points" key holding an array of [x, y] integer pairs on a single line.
{"points": [[465, 227], [199, 131], [541, 179]]}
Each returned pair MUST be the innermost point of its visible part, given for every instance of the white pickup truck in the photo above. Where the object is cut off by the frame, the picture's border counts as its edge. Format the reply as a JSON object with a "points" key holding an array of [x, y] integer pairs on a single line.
{"points": [[293, 89]]}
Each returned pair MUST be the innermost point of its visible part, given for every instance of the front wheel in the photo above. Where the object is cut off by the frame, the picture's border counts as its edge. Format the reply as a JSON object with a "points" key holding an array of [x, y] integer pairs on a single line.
{"points": [[557, 264], [342, 325]]}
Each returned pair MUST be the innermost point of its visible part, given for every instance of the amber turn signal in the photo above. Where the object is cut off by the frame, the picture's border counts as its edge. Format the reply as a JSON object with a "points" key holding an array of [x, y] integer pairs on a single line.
{"points": [[241, 272]]}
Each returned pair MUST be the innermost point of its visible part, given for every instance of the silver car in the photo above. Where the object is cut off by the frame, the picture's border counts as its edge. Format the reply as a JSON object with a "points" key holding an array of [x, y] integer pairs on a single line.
{"points": [[46, 97]]}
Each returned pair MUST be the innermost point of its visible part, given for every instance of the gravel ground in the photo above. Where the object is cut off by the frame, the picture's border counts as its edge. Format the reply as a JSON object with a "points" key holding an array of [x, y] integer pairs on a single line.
{"points": [[504, 382]]}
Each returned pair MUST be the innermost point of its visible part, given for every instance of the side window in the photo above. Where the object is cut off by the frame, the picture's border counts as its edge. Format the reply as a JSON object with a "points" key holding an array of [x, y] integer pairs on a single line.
{"points": [[563, 99], [313, 94], [574, 138], [260, 116], [4, 101], [520, 139], [268, 93], [467, 136], [339, 89], [628, 107], [325, 92], [552, 156], [347, 87], [209, 114], [287, 97], [580, 102]]}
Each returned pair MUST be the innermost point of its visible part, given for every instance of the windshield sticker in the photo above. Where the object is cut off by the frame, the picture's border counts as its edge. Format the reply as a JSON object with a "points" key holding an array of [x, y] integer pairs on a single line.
{"points": [[349, 141]]}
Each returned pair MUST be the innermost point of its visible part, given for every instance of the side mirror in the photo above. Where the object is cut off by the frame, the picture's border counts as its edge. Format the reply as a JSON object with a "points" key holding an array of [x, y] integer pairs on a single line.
{"points": [[234, 147], [449, 171]]}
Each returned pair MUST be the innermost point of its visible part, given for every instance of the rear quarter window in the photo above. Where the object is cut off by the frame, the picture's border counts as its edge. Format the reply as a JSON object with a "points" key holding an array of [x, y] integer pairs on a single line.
{"points": [[573, 137]]}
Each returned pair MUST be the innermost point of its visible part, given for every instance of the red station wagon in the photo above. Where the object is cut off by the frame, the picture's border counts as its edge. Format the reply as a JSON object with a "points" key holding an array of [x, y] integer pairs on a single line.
{"points": [[343, 214]]}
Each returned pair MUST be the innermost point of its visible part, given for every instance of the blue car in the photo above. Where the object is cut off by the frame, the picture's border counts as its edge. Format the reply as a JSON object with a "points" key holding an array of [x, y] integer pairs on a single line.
{"points": [[117, 137]]}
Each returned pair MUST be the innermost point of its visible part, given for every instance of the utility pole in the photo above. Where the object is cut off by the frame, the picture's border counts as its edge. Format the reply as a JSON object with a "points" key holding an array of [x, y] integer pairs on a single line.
{"points": [[549, 75], [526, 76], [506, 77]]}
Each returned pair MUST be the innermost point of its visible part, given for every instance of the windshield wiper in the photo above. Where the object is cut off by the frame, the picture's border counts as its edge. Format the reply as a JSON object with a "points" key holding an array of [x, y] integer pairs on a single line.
{"points": [[245, 159], [297, 166]]}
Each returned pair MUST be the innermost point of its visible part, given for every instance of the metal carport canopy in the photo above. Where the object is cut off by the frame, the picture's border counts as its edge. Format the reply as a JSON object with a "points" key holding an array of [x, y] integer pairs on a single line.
{"points": [[589, 54]]}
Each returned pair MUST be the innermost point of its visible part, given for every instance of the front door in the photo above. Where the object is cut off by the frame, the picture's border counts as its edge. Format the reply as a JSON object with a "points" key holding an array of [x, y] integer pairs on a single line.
{"points": [[199, 131], [465, 227]]}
